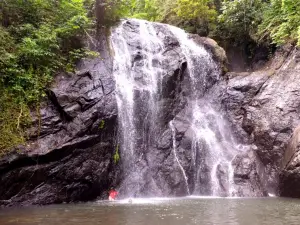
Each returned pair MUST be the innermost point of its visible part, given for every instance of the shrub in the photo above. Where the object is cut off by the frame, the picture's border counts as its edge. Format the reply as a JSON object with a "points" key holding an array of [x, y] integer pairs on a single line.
{"points": [[239, 20]]}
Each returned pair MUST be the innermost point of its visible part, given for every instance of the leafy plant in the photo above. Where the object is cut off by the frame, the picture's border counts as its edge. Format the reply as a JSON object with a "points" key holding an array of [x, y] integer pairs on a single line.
{"points": [[38, 38], [281, 22], [239, 20], [144, 9], [14, 118], [201, 12]]}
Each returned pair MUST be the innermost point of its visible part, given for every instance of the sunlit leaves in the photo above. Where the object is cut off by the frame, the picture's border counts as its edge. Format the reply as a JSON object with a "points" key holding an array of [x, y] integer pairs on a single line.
{"points": [[38, 38], [281, 21], [144, 9], [239, 19], [192, 9]]}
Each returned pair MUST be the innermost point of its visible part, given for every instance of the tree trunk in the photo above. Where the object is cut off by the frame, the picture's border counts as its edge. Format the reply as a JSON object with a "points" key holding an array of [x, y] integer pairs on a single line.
{"points": [[100, 12]]}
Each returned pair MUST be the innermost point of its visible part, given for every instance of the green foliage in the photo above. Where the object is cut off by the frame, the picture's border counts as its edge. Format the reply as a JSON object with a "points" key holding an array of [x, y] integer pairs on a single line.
{"points": [[37, 39], [144, 9], [13, 119], [200, 12], [166, 12], [116, 156], [278, 20], [189, 14], [281, 22], [239, 19], [101, 124], [298, 43]]}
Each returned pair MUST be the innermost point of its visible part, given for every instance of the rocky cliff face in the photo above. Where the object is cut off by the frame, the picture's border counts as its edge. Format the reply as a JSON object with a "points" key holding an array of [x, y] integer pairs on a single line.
{"points": [[289, 177], [263, 108], [70, 154]]}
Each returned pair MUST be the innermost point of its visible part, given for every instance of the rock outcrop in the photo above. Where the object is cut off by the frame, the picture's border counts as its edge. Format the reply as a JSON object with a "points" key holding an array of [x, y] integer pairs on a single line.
{"points": [[69, 155], [289, 185], [263, 108]]}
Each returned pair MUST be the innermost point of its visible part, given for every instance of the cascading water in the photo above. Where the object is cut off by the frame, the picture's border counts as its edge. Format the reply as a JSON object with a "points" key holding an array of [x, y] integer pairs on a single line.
{"points": [[139, 70], [137, 81], [176, 157], [209, 127]]}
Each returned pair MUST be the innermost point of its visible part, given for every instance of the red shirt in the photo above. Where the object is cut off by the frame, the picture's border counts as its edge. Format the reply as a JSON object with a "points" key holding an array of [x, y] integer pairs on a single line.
{"points": [[113, 194]]}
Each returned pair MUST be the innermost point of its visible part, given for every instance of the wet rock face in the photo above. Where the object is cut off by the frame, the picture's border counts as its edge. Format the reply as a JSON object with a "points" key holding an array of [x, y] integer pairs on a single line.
{"points": [[163, 171], [64, 175], [162, 161], [70, 153], [263, 108], [69, 156], [289, 182], [247, 176]]}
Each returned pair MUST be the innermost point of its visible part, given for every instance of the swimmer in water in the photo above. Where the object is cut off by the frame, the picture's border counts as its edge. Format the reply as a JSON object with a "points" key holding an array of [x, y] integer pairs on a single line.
{"points": [[112, 194]]}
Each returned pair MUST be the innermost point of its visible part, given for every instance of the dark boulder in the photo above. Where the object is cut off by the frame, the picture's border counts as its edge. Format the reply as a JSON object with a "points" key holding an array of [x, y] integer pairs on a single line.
{"points": [[64, 175]]}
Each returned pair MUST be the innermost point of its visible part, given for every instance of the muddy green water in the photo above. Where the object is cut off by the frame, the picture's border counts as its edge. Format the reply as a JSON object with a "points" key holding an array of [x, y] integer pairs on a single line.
{"points": [[183, 211]]}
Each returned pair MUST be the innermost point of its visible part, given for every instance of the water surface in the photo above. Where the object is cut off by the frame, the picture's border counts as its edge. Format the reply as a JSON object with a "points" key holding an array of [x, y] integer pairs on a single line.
{"points": [[183, 211]]}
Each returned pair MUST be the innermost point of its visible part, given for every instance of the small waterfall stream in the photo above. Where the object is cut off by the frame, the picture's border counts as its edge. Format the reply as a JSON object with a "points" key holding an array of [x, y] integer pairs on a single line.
{"points": [[139, 70], [176, 157], [205, 121]]}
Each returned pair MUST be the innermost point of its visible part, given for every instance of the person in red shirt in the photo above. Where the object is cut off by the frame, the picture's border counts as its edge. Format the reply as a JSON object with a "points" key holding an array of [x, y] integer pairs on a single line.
{"points": [[112, 194]]}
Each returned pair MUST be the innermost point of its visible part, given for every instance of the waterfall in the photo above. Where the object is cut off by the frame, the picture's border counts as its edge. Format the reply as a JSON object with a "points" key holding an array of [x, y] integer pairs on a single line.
{"points": [[137, 85], [141, 63]]}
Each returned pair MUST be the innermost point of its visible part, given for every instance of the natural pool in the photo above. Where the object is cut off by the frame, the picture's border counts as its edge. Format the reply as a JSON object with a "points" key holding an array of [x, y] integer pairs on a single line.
{"points": [[183, 211]]}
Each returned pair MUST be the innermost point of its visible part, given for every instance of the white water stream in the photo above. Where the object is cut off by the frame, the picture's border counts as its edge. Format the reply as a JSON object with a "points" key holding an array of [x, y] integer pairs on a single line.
{"points": [[173, 129]]}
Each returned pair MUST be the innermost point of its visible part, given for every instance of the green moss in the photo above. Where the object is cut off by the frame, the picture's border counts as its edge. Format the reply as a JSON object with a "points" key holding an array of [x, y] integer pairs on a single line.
{"points": [[116, 156], [101, 124]]}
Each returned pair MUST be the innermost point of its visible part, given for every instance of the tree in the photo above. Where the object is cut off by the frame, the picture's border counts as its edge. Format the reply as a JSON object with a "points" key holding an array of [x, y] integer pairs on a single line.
{"points": [[166, 12], [143, 9], [239, 19], [200, 12], [281, 22], [110, 11]]}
